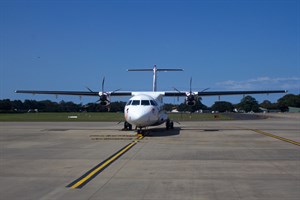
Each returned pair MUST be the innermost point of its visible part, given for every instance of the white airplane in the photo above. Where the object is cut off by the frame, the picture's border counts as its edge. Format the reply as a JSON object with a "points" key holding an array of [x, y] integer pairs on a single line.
{"points": [[146, 109]]}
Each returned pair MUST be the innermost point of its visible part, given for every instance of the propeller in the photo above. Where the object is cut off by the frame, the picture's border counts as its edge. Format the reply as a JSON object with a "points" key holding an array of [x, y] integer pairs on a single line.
{"points": [[191, 98], [191, 80], [104, 97]]}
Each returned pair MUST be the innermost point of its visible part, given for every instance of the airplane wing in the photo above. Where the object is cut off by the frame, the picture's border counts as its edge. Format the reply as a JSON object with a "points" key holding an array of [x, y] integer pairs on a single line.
{"points": [[75, 93], [221, 93], [168, 94], [191, 97]]}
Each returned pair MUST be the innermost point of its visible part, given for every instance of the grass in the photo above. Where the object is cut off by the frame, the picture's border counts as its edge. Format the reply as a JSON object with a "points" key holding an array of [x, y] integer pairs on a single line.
{"points": [[97, 117], [61, 117], [198, 117]]}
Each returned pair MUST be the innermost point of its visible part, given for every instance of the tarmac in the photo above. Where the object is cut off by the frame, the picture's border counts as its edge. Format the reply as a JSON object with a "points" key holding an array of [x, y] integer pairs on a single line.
{"points": [[228, 160]]}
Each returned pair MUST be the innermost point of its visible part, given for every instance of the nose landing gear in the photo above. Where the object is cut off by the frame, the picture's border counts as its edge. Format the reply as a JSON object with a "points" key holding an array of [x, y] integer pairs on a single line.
{"points": [[127, 126]]}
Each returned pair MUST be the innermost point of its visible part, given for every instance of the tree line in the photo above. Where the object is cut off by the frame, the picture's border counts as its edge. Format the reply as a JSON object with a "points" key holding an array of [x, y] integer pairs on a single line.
{"points": [[6, 105], [247, 104]]}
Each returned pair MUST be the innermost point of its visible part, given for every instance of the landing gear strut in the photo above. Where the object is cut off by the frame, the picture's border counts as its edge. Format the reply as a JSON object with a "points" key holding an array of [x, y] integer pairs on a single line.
{"points": [[169, 124]]}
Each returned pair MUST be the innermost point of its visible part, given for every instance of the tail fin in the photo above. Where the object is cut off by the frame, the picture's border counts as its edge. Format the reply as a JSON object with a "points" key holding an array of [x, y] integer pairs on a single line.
{"points": [[155, 70]]}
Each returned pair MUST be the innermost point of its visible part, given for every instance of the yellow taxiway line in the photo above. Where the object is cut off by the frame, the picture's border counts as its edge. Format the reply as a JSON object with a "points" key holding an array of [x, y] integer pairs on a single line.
{"points": [[276, 137], [88, 176]]}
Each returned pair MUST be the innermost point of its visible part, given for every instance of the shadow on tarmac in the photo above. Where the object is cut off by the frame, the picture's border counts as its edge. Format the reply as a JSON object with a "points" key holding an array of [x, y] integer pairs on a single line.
{"points": [[162, 132]]}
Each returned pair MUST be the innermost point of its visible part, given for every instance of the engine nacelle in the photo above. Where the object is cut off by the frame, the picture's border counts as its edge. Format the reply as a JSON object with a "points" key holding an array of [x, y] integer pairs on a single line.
{"points": [[104, 103], [104, 100], [190, 100]]}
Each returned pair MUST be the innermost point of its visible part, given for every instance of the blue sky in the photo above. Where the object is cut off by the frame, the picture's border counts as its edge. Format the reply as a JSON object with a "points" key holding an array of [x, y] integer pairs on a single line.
{"points": [[223, 45]]}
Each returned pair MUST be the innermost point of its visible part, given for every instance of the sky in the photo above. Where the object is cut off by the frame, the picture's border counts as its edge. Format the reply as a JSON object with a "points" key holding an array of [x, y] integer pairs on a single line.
{"points": [[223, 45]]}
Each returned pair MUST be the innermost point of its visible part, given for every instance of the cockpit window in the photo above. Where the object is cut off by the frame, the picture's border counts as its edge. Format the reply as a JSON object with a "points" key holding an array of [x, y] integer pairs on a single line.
{"points": [[145, 103], [129, 102], [153, 103], [135, 102]]}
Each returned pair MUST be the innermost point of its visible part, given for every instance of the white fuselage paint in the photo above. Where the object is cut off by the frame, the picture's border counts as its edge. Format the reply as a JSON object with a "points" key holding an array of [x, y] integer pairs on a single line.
{"points": [[145, 109]]}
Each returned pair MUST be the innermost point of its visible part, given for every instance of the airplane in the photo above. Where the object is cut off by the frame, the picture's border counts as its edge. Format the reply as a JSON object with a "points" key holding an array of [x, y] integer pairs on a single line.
{"points": [[146, 108]]}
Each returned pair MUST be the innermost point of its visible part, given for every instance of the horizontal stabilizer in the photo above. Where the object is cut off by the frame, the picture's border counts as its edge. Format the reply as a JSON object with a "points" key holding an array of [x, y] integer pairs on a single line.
{"points": [[154, 70], [151, 70], [140, 70]]}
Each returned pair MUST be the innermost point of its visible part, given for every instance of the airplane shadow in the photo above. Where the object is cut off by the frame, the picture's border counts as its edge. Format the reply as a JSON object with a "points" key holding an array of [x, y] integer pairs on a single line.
{"points": [[162, 132]]}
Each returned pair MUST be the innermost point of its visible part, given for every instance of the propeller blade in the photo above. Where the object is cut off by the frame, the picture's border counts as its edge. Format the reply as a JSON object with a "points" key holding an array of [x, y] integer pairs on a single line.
{"points": [[191, 85], [116, 90], [205, 89], [103, 81], [176, 89], [89, 89]]}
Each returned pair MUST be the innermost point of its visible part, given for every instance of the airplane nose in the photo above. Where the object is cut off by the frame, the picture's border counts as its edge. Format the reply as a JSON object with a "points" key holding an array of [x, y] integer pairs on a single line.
{"points": [[139, 117]]}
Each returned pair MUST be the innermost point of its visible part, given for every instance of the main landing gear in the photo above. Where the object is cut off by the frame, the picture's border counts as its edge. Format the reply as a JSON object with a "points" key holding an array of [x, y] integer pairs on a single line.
{"points": [[169, 124]]}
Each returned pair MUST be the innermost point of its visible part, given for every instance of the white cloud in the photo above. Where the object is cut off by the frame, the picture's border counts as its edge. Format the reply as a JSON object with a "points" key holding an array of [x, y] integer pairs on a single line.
{"points": [[286, 83]]}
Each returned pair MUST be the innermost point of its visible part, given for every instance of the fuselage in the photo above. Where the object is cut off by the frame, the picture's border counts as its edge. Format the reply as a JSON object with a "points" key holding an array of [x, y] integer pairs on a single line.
{"points": [[145, 109]]}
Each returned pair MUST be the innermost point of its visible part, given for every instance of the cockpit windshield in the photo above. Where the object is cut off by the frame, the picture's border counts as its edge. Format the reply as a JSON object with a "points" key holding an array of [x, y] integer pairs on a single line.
{"points": [[145, 103], [135, 102], [153, 103], [142, 102]]}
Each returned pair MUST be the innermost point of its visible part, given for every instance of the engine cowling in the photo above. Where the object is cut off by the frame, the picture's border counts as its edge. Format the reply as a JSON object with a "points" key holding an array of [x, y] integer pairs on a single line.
{"points": [[190, 100], [104, 100]]}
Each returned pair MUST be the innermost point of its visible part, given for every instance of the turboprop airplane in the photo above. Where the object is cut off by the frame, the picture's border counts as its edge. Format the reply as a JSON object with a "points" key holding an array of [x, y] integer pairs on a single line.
{"points": [[146, 109]]}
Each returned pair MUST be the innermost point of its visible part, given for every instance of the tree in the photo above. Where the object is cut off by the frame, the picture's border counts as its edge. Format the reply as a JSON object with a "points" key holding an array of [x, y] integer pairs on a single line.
{"points": [[117, 106], [268, 105], [289, 100], [17, 105], [248, 104], [222, 106], [169, 107], [69, 106], [30, 104], [5, 105]]}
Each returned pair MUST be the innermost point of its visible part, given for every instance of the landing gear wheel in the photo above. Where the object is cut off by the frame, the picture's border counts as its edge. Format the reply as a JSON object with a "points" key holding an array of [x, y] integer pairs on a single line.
{"points": [[169, 124], [127, 126], [141, 132]]}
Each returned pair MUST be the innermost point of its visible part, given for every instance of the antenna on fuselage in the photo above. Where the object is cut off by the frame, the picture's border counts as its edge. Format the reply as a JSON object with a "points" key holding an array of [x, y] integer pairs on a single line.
{"points": [[155, 70]]}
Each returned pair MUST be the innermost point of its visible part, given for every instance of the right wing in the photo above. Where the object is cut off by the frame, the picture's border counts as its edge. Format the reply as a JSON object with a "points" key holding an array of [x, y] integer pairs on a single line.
{"points": [[104, 97], [75, 93]]}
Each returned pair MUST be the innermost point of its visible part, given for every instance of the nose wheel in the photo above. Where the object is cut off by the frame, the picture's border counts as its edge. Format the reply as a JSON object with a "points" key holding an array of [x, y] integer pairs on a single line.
{"points": [[169, 124], [127, 126]]}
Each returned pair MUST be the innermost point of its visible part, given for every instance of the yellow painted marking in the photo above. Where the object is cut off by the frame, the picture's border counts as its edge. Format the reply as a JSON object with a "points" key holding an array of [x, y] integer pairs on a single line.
{"points": [[277, 137], [105, 163]]}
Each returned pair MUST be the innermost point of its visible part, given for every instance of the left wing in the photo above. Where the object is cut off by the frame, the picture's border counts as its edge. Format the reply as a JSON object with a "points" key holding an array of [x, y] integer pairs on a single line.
{"points": [[221, 93], [191, 97]]}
